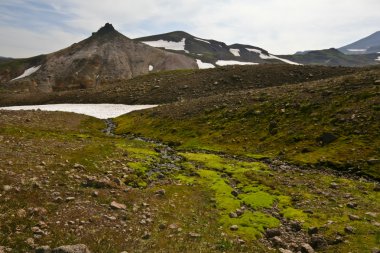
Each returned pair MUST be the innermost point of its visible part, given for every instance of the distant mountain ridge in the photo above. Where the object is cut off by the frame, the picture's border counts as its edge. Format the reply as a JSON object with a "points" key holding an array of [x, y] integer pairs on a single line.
{"points": [[211, 53], [367, 45]]}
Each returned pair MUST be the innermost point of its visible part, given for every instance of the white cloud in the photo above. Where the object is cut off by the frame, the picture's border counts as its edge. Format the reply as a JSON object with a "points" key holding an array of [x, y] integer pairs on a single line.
{"points": [[280, 26]]}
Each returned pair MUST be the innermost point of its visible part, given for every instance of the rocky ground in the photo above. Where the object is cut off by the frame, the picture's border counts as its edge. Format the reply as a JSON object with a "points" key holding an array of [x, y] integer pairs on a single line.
{"points": [[63, 181]]}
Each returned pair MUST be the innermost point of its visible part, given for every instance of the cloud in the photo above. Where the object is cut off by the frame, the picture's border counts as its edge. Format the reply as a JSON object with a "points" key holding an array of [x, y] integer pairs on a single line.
{"points": [[280, 26]]}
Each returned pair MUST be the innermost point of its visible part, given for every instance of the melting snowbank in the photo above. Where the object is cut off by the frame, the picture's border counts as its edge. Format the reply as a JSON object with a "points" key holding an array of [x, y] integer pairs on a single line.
{"points": [[101, 111], [28, 72], [172, 45]]}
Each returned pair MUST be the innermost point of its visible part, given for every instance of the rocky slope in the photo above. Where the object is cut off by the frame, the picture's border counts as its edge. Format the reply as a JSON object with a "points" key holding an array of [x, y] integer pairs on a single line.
{"points": [[105, 56], [211, 53], [171, 86]]}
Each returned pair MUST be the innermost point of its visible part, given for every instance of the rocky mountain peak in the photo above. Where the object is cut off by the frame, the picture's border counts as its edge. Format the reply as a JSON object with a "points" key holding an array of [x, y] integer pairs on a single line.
{"points": [[106, 29]]}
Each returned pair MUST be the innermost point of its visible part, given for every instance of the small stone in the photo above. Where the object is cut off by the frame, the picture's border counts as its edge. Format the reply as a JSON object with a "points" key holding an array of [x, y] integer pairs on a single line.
{"points": [[371, 214], [234, 193], [349, 230], [194, 235], [173, 226], [7, 188], [239, 212], [95, 194], [277, 241], [162, 226], [352, 205], [30, 242], [284, 250], [234, 228], [70, 199], [160, 192], [146, 236], [376, 250], [353, 217], [272, 232], [115, 205], [79, 166], [233, 215], [79, 248], [295, 226], [43, 249], [306, 248], [318, 242], [334, 185], [21, 213], [376, 188], [240, 241], [312, 230]]}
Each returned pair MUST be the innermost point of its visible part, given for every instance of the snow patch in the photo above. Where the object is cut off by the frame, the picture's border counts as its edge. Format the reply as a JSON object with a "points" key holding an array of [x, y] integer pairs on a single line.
{"points": [[208, 42], [151, 67], [266, 57], [378, 59], [225, 63], [171, 45], [235, 52], [357, 50], [101, 111], [204, 65], [28, 72]]}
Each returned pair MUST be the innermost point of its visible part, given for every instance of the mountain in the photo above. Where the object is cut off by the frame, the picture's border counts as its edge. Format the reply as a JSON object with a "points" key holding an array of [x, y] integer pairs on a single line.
{"points": [[367, 45], [105, 56], [333, 57], [211, 53]]}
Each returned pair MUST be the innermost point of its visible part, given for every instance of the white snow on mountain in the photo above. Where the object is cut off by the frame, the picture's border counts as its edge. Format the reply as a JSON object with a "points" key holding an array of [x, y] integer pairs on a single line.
{"points": [[101, 111], [266, 57], [226, 63], [378, 59], [204, 65], [357, 50], [28, 72], [171, 45], [208, 42], [235, 52]]}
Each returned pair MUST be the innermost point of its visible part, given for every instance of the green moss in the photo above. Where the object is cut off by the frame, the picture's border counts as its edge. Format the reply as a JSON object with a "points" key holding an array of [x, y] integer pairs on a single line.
{"points": [[258, 199], [294, 214]]}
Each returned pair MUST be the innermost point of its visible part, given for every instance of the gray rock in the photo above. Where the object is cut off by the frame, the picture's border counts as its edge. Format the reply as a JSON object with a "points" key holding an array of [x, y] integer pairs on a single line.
{"points": [[318, 242], [43, 249], [194, 235], [349, 230], [278, 242], [160, 192], [295, 226], [7, 188], [115, 205], [146, 236], [233, 215], [376, 250], [306, 248], [353, 217], [79, 248], [326, 138], [234, 228], [272, 233], [285, 250], [234, 193], [352, 205], [312, 230]]}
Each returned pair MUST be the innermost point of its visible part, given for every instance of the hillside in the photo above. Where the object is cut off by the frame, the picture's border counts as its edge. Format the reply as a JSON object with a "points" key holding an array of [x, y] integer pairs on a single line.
{"points": [[331, 122], [105, 56], [171, 86], [367, 45]]}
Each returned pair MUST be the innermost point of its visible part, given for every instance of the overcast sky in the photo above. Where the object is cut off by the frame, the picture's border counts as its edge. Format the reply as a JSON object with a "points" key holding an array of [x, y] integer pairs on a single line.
{"points": [[31, 27]]}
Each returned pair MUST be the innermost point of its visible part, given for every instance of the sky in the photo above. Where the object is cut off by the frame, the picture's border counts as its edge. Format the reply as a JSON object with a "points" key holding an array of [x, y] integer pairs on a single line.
{"points": [[32, 27]]}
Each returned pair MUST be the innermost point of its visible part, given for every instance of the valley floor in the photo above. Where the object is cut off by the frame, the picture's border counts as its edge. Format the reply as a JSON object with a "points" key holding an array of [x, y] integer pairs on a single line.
{"points": [[63, 181]]}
